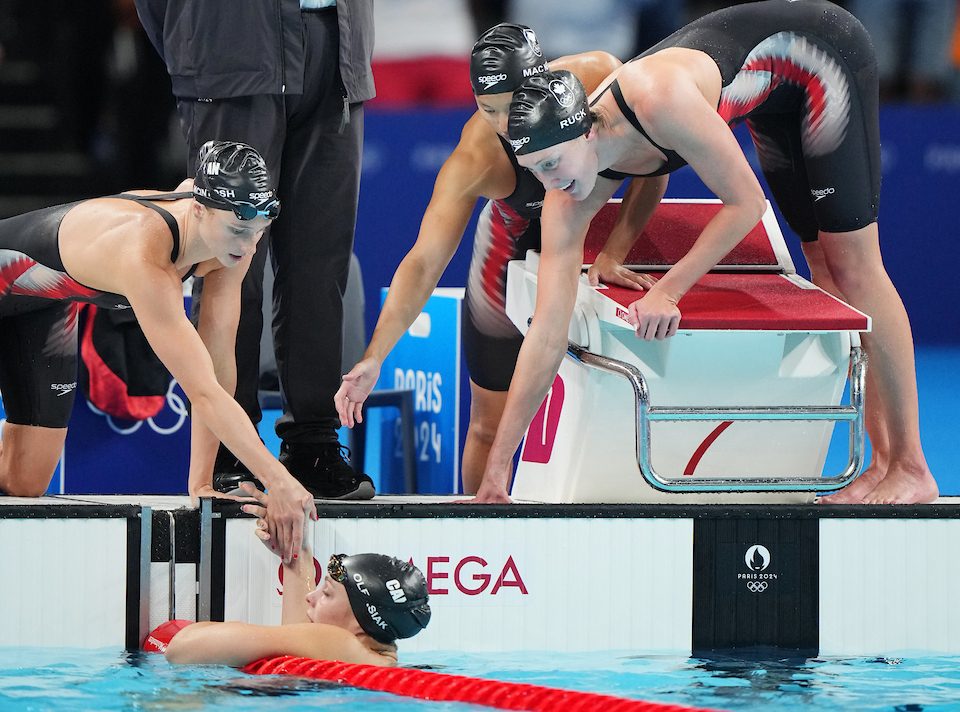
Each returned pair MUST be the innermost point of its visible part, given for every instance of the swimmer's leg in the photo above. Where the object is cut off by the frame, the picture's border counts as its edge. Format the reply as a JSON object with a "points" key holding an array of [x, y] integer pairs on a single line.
{"points": [[486, 407], [28, 457], [855, 263], [875, 420], [38, 378]]}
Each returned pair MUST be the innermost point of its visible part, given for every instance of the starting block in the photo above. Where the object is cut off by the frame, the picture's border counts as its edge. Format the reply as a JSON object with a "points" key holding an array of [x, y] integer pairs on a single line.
{"points": [[738, 406]]}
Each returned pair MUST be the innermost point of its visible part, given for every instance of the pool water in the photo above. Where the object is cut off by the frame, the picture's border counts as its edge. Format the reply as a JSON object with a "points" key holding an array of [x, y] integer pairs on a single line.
{"points": [[71, 679]]}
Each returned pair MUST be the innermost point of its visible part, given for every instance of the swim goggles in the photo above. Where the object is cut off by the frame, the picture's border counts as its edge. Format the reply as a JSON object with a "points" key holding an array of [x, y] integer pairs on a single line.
{"points": [[335, 568], [248, 211]]}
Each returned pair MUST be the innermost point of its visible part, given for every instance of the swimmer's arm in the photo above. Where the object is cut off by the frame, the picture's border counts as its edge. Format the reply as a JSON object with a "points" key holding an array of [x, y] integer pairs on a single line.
{"points": [[564, 225], [156, 296], [461, 182], [639, 202], [235, 643], [705, 141], [219, 317], [463, 179], [299, 577]]}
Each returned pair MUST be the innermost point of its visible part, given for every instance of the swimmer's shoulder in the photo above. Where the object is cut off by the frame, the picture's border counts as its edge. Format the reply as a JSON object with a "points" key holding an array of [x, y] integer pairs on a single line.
{"points": [[591, 68], [479, 164], [109, 211], [479, 140]]}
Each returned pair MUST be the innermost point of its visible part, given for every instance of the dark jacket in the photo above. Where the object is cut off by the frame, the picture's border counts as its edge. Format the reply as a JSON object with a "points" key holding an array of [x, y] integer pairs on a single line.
{"points": [[215, 49]]}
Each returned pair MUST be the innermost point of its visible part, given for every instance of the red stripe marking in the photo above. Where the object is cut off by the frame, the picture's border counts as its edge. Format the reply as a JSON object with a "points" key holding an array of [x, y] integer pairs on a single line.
{"points": [[10, 272], [707, 442]]}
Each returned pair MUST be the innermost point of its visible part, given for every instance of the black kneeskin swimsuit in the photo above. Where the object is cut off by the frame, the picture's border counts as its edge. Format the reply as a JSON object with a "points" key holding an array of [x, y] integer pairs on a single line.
{"points": [[39, 304], [506, 229], [803, 76]]}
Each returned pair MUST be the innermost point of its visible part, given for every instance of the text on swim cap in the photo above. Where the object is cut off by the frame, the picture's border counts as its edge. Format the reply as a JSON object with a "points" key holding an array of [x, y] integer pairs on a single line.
{"points": [[396, 592], [375, 616], [571, 120], [358, 579], [225, 192], [530, 71], [488, 80], [212, 169], [517, 143], [261, 196]]}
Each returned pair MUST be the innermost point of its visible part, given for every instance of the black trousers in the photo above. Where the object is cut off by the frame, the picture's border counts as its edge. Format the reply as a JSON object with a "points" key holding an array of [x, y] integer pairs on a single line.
{"points": [[317, 157]]}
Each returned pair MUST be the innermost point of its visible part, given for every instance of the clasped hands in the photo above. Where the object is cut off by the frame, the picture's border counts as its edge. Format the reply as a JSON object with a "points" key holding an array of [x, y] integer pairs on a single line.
{"points": [[293, 542]]}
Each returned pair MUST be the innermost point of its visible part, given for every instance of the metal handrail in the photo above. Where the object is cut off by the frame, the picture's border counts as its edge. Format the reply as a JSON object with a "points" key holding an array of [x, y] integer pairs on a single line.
{"points": [[646, 413]]}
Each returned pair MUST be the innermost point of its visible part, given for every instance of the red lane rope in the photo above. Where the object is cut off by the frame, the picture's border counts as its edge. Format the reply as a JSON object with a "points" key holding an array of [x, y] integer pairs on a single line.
{"points": [[436, 686]]}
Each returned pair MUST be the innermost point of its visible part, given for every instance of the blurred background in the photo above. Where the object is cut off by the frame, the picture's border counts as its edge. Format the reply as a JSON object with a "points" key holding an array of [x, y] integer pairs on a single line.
{"points": [[86, 109]]}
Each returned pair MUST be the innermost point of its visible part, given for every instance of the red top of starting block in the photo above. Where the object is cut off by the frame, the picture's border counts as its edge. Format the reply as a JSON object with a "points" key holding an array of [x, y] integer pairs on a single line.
{"points": [[756, 302], [671, 233]]}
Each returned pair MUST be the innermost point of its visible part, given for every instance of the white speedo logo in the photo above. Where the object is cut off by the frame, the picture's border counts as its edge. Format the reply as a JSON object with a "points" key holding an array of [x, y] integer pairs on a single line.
{"points": [[821, 193], [488, 80], [63, 389]]}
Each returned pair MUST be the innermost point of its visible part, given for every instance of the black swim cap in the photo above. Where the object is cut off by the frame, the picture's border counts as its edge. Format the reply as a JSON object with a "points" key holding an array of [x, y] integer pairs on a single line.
{"points": [[233, 176], [548, 109], [503, 57], [388, 596]]}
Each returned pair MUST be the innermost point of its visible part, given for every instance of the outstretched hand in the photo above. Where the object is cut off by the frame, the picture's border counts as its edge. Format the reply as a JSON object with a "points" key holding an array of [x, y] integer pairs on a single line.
{"points": [[488, 493], [354, 390], [610, 271]]}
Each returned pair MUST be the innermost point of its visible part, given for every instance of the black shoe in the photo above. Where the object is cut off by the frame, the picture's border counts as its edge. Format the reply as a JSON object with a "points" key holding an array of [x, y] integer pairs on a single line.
{"points": [[323, 469], [229, 473]]}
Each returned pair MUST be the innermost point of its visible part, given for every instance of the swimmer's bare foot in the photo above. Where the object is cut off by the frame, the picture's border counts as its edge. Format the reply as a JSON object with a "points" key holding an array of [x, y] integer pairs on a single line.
{"points": [[856, 490], [903, 486]]}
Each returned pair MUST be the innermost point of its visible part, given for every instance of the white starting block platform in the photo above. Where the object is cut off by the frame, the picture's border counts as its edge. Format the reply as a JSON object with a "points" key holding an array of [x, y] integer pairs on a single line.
{"points": [[738, 406]]}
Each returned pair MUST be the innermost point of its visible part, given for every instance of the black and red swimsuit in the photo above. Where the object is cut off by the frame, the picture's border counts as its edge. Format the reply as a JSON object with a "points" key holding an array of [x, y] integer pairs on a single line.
{"points": [[39, 304], [803, 76]]}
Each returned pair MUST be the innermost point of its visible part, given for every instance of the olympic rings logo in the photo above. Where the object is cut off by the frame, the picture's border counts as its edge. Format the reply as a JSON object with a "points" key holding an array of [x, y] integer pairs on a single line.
{"points": [[174, 401], [756, 586]]}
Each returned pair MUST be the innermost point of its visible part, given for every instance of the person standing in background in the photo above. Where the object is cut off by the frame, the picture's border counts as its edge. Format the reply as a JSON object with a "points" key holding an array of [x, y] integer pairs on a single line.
{"points": [[290, 78], [912, 43]]}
